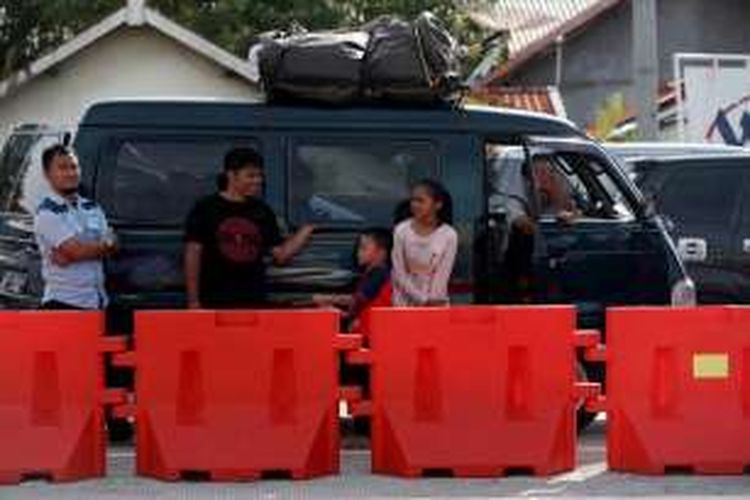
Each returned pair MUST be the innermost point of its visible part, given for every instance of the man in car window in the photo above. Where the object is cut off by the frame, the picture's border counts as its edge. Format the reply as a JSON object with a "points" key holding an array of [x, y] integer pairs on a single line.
{"points": [[73, 237], [553, 197], [553, 191], [229, 234]]}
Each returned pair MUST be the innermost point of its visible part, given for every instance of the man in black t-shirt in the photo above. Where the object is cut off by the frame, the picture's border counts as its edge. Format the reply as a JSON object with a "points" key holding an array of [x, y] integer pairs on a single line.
{"points": [[228, 235]]}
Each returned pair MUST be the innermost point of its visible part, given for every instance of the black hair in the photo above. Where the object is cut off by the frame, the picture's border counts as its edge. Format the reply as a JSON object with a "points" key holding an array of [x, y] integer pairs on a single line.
{"points": [[382, 237], [438, 193], [237, 159], [52, 152]]}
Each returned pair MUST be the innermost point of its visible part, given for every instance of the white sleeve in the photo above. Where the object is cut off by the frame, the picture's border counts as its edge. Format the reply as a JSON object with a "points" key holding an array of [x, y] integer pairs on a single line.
{"points": [[516, 209], [52, 229], [399, 272], [105, 223], [444, 268]]}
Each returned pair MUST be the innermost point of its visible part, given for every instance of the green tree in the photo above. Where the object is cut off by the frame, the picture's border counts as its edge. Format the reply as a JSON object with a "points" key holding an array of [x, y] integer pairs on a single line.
{"points": [[609, 116], [233, 23], [29, 28]]}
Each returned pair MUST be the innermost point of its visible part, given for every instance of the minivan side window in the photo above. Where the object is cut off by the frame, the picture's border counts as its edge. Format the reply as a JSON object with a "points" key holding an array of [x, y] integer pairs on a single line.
{"points": [[697, 195], [157, 181], [353, 183]]}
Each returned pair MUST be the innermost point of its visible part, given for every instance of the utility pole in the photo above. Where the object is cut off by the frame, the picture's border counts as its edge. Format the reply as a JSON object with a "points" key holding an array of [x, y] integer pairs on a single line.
{"points": [[646, 67]]}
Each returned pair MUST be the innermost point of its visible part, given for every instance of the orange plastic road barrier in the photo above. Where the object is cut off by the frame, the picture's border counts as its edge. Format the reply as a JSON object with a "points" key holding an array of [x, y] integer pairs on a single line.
{"points": [[473, 391], [232, 396], [678, 390], [51, 396]]}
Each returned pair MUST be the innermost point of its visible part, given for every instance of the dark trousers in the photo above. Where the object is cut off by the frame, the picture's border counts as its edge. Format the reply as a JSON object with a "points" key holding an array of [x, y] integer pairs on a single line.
{"points": [[519, 268]]}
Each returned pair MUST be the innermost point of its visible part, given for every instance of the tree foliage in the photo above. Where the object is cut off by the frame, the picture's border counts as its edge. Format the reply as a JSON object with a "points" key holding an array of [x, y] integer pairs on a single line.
{"points": [[233, 23], [29, 28], [609, 116]]}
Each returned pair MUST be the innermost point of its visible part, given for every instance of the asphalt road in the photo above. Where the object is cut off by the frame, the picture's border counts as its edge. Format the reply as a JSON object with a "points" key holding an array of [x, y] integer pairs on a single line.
{"points": [[590, 479]]}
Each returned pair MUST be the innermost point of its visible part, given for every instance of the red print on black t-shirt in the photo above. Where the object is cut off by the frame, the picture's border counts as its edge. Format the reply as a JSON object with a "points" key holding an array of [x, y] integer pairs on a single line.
{"points": [[239, 240]]}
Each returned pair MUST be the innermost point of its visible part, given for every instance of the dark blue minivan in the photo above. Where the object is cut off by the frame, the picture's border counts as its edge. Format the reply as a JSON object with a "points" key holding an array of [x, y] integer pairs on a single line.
{"points": [[348, 168], [345, 169]]}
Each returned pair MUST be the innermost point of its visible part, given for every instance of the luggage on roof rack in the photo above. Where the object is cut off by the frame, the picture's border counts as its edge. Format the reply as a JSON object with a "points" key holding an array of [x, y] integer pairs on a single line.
{"points": [[322, 67], [387, 60]]}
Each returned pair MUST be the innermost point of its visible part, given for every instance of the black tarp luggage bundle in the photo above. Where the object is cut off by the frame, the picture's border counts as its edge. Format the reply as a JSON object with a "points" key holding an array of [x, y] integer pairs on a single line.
{"points": [[322, 67], [386, 60]]}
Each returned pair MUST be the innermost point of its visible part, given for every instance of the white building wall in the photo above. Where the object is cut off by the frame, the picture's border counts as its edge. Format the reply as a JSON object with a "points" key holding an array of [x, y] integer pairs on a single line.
{"points": [[131, 62]]}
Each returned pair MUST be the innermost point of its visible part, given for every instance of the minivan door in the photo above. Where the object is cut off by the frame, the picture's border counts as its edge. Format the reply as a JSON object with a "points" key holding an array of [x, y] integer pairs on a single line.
{"points": [[593, 248]]}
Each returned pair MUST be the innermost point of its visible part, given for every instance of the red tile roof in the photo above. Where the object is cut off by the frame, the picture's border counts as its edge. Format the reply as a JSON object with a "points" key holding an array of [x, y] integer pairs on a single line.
{"points": [[539, 99]]}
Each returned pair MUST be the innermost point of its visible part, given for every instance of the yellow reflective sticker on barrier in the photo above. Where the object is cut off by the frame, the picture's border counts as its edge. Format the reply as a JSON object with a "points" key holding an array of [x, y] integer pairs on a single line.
{"points": [[710, 366]]}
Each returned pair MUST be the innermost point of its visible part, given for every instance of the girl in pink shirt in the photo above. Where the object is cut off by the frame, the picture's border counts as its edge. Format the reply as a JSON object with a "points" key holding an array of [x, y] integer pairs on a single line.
{"points": [[424, 248]]}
